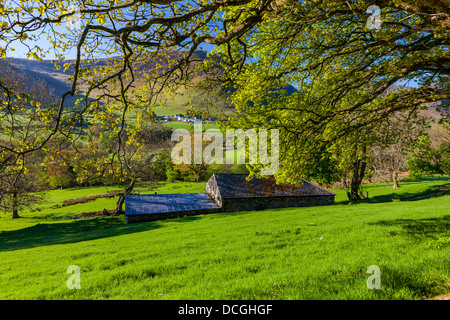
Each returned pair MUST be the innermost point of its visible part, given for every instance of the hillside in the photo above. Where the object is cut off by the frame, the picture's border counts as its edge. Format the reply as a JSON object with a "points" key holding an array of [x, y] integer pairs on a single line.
{"points": [[169, 105], [43, 70], [56, 81]]}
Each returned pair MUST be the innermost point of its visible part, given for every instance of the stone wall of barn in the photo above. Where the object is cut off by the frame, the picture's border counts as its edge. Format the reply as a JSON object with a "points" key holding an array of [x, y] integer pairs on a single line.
{"points": [[262, 203], [134, 218]]}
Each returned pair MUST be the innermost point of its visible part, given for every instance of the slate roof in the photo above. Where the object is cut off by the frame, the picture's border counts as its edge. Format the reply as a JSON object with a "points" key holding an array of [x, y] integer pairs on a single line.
{"points": [[236, 186], [160, 203]]}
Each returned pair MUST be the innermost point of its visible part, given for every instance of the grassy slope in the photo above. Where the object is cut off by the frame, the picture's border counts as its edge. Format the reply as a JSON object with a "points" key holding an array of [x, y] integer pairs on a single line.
{"points": [[188, 126], [296, 253]]}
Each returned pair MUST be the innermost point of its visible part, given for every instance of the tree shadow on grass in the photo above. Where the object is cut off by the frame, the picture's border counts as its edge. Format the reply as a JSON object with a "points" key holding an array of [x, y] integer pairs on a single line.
{"points": [[43, 234], [436, 178], [431, 192], [428, 228]]}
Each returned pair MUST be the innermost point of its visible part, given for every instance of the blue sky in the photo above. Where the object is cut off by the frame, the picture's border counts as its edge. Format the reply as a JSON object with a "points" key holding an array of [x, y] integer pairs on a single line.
{"points": [[20, 51]]}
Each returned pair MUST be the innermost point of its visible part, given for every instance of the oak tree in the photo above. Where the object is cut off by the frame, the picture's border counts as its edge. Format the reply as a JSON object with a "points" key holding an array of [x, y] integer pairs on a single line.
{"points": [[344, 65]]}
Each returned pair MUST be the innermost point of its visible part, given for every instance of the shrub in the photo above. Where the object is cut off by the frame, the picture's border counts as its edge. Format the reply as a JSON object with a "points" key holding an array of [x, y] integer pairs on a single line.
{"points": [[172, 175]]}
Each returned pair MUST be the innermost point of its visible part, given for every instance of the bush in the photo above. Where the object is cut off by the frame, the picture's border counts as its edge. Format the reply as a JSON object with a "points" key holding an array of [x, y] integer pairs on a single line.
{"points": [[59, 181], [444, 157], [189, 178], [172, 175], [424, 160], [162, 165]]}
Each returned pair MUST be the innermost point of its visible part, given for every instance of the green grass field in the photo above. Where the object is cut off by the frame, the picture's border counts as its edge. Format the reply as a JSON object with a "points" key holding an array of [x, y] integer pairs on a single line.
{"points": [[188, 126], [296, 253]]}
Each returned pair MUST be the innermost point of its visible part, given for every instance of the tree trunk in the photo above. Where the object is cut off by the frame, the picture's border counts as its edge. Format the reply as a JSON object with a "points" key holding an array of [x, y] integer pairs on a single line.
{"points": [[354, 187], [395, 180], [121, 201], [359, 168], [15, 209]]}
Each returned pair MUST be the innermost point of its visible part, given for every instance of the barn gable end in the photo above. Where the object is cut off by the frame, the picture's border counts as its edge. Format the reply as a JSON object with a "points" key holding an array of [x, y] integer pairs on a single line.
{"points": [[234, 193]]}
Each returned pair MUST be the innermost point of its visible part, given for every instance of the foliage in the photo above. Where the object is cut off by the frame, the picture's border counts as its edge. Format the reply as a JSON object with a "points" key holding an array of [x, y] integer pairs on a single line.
{"points": [[173, 175], [23, 102], [19, 189], [162, 165], [113, 42], [347, 77], [192, 165], [395, 143], [344, 72], [444, 153], [425, 160]]}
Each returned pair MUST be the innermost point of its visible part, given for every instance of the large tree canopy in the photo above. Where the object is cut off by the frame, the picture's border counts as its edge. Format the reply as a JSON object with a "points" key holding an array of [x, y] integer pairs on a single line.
{"points": [[347, 74], [344, 69]]}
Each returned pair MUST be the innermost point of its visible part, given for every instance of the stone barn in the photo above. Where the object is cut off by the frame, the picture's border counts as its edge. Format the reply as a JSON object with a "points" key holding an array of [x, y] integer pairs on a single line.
{"points": [[232, 192], [226, 193]]}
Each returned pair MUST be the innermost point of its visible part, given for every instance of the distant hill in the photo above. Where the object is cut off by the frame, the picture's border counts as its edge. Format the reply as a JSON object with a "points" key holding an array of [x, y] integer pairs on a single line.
{"points": [[56, 80], [180, 103], [44, 71]]}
